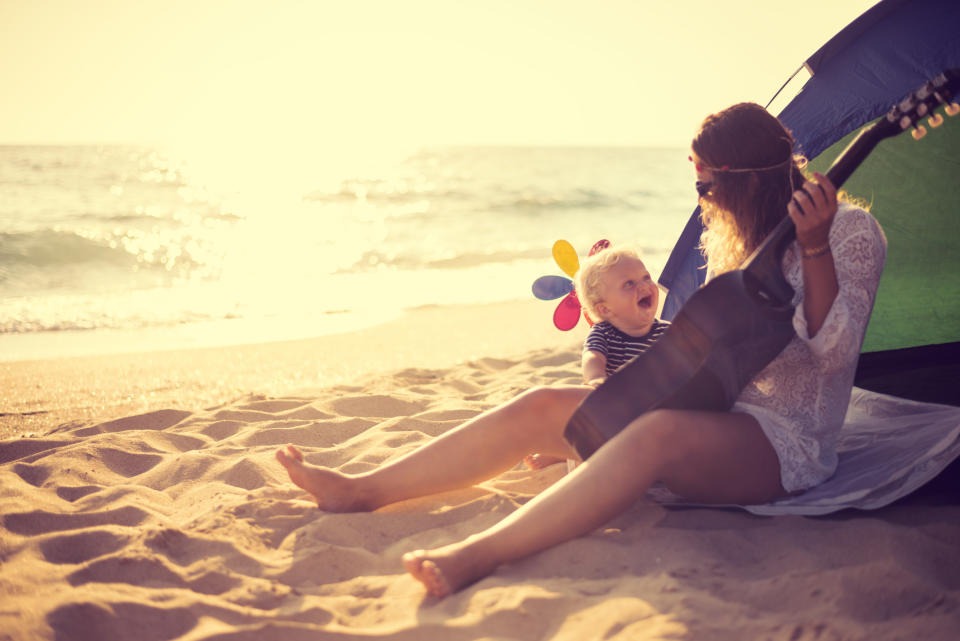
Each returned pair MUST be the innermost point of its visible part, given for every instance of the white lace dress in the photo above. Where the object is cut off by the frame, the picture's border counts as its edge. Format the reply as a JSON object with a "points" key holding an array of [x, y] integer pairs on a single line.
{"points": [[800, 399]]}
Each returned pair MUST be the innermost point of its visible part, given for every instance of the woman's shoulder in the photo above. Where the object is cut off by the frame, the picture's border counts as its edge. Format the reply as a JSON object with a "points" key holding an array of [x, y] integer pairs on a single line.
{"points": [[854, 220]]}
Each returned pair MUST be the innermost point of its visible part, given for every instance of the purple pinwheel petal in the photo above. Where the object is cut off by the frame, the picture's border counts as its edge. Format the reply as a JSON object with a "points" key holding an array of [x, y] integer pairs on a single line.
{"points": [[552, 287]]}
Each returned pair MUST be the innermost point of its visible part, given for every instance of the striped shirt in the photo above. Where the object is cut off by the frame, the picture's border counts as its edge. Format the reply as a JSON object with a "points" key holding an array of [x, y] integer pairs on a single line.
{"points": [[618, 347]]}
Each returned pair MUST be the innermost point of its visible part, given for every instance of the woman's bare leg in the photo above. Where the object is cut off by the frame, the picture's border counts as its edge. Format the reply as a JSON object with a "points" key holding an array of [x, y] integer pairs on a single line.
{"points": [[711, 457], [478, 450]]}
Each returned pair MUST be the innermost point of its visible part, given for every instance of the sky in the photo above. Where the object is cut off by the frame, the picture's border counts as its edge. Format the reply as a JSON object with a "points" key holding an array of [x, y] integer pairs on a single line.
{"points": [[362, 74]]}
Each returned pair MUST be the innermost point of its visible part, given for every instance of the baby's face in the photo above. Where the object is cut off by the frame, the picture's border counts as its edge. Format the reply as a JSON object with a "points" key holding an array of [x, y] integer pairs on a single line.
{"points": [[630, 297]]}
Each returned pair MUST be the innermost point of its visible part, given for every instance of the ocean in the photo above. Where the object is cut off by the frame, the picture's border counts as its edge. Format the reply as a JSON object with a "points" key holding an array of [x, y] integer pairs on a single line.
{"points": [[126, 248]]}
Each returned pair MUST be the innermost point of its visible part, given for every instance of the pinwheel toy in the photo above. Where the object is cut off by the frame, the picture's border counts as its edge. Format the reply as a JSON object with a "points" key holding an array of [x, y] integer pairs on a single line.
{"points": [[567, 314]]}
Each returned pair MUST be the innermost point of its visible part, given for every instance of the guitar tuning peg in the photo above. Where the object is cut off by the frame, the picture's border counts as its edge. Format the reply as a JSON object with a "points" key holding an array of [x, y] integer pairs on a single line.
{"points": [[935, 120], [919, 131], [952, 109]]}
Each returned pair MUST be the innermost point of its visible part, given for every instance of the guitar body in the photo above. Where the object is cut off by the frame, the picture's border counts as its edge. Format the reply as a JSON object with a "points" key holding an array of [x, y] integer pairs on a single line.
{"points": [[731, 328], [701, 362]]}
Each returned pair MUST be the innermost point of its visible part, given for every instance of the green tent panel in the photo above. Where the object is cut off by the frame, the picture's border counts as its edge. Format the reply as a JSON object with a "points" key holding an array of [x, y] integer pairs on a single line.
{"points": [[913, 188]]}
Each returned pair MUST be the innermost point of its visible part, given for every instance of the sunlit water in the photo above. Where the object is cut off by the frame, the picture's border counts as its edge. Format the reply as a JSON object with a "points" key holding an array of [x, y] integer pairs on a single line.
{"points": [[155, 249]]}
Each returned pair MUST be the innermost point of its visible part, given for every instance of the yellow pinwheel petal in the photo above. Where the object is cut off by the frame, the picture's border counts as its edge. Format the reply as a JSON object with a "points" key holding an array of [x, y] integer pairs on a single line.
{"points": [[566, 257]]}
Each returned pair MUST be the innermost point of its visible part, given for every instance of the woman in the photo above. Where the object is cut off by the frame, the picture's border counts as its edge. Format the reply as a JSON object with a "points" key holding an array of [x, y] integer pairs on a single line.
{"points": [[779, 437]]}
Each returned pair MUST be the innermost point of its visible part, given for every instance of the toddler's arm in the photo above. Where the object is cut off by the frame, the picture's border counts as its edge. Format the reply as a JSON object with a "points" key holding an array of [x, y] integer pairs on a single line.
{"points": [[594, 367]]}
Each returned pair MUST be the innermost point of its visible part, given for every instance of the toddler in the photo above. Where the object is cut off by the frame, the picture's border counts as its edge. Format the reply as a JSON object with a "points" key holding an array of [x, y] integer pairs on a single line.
{"points": [[616, 289]]}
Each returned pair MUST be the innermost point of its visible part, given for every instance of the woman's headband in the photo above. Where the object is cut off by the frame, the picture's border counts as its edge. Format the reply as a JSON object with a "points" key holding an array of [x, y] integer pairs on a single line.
{"points": [[728, 169]]}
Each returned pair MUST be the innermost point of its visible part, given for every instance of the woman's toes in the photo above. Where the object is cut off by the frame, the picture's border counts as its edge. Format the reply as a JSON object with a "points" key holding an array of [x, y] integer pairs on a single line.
{"points": [[289, 455], [540, 461], [427, 572], [295, 453], [436, 583]]}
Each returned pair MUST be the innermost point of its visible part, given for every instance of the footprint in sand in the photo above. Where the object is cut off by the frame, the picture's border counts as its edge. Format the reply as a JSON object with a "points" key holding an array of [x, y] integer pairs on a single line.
{"points": [[494, 364], [558, 374], [423, 391], [273, 405], [308, 413], [561, 359], [72, 494], [377, 406], [459, 415], [222, 429], [464, 386], [41, 521], [35, 475], [150, 572], [159, 420], [181, 468], [322, 434], [184, 549], [82, 547], [27, 447], [179, 442], [288, 408], [244, 416], [128, 464], [275, 433], [243, 474], [214, 583], [276, 519], [120, 621]]}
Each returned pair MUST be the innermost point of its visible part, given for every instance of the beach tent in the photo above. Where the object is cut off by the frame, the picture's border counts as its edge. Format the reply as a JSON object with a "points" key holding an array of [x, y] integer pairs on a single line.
{"points": [[912, 347]]}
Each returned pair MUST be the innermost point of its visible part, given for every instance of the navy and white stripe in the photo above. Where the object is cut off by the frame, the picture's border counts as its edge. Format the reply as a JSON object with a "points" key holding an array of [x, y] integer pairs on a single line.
{"points": [[619, 348]]}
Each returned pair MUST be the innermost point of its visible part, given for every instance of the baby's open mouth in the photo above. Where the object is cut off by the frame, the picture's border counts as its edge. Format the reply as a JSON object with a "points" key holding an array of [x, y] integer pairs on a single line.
{"points": [[645, 302]]}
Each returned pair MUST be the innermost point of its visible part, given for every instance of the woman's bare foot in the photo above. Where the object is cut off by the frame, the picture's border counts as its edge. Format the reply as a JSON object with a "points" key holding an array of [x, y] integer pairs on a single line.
{"points": [[540, 461], [445, 570], [332, 491]]}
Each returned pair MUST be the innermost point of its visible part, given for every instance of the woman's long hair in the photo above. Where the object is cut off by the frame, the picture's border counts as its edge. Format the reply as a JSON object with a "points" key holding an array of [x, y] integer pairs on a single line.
{"points": [[751, 157]]}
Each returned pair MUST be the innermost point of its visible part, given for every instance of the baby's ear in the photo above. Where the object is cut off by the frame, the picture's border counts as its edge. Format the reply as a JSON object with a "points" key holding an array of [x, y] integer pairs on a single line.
{"points": [[602, 311]]}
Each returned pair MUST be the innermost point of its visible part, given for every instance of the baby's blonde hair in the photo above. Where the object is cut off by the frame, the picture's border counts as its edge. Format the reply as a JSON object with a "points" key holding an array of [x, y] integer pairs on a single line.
{"points": [[592, 270]]}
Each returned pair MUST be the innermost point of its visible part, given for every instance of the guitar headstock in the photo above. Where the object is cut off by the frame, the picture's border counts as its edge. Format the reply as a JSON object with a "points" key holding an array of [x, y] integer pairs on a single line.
{"points": [[921, 104]]}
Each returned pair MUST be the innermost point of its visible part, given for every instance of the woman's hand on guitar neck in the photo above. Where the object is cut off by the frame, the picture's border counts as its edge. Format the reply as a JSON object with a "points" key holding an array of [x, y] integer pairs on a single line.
{"points": [[812, 209]]}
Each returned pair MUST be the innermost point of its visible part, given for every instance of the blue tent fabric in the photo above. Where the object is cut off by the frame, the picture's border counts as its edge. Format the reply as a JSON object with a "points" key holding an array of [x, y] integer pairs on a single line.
{"points": [[875, 61], [685, 270]]}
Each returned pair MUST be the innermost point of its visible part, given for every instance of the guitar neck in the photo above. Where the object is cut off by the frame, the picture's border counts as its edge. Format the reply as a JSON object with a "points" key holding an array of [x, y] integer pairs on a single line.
{"points": [[764, 262], [851, 157]]}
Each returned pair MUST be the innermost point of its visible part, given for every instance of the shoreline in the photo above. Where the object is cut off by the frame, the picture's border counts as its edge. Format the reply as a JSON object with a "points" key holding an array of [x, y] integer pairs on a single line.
{"points": [[42, 394], [227, 332]]}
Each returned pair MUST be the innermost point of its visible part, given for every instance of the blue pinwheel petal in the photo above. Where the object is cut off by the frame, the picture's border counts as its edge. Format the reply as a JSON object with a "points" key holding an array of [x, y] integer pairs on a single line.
{"points": [[551, 287]]}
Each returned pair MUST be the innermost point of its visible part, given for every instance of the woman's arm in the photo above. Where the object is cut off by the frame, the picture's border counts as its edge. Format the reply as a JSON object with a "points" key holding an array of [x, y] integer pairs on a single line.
{"points": [[839, 283], [812, 210], [594, 367]]}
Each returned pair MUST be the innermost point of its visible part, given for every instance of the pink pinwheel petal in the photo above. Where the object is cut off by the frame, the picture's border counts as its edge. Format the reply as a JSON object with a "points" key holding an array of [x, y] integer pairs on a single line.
{"points": [[599, 246], [567, 313]]}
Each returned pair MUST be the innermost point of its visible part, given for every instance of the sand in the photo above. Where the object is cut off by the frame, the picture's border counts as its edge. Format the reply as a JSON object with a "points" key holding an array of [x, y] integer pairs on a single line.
{"points": [[139, 499]]}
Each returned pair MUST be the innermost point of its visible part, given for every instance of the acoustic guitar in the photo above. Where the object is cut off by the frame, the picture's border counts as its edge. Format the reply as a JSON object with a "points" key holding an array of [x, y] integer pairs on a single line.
{"points": [[733, 326]]}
